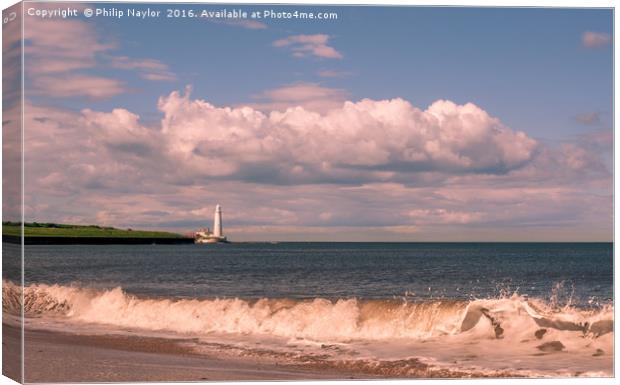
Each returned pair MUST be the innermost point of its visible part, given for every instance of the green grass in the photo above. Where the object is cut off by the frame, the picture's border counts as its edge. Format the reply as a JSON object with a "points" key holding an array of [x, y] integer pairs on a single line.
{"points": [[63, 230]]}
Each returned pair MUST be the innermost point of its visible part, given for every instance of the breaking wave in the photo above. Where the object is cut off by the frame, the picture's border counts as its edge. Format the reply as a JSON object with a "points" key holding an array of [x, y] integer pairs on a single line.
{"points": [[316, 319]]}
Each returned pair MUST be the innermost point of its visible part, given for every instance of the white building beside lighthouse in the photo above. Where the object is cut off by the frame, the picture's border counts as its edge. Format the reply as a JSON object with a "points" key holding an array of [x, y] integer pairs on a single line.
{"points": [[217, 236]]}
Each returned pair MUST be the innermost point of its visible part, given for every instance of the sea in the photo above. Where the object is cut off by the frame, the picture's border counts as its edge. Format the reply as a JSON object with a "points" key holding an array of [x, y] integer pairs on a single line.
{"points": [[496, 309]]}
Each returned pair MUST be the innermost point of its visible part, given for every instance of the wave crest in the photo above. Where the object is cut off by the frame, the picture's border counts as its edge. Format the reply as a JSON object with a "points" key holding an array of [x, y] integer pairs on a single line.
{"points": [[316, 319]]}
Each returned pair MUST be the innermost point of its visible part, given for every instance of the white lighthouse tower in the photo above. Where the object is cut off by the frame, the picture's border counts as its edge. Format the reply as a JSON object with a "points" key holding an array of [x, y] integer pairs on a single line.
{"points": [[217, 236], [217, 222]]}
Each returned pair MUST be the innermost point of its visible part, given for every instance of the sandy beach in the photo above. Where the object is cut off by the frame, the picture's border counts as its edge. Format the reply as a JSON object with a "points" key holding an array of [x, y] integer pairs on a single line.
{"points": [[61, 357], [10, 352]]}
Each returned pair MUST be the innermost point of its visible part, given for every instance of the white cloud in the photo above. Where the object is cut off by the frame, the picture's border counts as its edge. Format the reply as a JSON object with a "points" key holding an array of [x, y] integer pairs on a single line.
{"points": [[124, 62], [243, 23], [60, 46], [55, 53], [592, 39], [355, 143], [366, 140], [66, 85], [443, 216], [161, 76], [248, 24], [118, 126], [309, 45], [59, 52], [310, 96], [149, 69], [333, 74]]}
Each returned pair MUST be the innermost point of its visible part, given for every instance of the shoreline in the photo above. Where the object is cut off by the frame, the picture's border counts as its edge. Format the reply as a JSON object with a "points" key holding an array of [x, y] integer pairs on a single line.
{"points": [[52, 356], [102, 240]]}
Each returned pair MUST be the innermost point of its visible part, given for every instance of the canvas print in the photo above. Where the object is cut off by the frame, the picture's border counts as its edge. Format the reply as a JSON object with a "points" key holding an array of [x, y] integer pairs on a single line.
{"points": [[225, 192]]}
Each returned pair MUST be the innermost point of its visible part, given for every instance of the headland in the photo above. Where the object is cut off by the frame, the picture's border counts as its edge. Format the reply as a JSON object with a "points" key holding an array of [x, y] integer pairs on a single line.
{"points": [[68, 234]]}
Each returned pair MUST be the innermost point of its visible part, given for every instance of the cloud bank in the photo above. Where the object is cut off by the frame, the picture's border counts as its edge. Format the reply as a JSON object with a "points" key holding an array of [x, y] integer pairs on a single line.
{"points": [[380, 167], [366, 140]]}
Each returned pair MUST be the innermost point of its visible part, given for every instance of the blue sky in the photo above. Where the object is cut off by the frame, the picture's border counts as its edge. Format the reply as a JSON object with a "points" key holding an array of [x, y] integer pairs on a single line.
{"points": [[525, 65], [454, 117]]}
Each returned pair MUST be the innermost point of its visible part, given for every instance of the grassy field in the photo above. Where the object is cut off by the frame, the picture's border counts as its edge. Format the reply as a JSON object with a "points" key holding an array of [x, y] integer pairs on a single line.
{"points": [[62, 230]]}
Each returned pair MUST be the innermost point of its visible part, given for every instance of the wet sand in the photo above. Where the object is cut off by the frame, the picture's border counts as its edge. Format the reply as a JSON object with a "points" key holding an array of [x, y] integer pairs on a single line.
{"points": [[11, 352], [61, 357]]}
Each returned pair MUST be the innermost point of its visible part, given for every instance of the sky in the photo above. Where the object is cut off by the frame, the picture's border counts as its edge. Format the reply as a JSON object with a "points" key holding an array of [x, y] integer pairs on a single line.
{"points": [[386, 124]]}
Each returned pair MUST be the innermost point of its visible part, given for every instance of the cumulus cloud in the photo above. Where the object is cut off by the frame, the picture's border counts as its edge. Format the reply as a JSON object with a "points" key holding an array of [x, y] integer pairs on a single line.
{"points": [[355, 143], [309, 45], [591, 39], [117, 127], [365, 140]]}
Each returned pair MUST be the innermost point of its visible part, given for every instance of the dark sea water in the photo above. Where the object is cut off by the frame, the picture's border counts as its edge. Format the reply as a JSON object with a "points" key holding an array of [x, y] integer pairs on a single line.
{"points": [[579, 272]]}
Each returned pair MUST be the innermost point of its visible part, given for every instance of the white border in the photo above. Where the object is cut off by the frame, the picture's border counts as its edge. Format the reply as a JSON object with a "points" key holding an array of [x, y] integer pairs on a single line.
{"points": [[470, 3]]}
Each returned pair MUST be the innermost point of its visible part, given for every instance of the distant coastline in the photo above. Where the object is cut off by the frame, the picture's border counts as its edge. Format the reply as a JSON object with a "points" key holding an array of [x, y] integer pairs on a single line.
{"points": [[68, 234]]}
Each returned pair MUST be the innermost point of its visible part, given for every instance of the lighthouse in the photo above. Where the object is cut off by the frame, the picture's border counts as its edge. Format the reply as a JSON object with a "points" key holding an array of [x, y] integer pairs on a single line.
{"points": [[217, 236], [217, 222]]}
